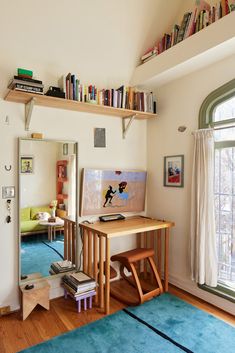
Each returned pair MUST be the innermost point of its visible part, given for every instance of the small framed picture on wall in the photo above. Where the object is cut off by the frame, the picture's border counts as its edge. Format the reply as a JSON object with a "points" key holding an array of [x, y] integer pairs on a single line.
{"points": [[174, 171], [26, 164]]}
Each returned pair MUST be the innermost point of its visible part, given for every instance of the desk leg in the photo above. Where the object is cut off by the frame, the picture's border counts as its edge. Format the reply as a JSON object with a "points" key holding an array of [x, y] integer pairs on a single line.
{"points": [[159, 251], [101, 271], [95, 247], [151, 234], [138, 243], [85, 250], [90, 273], [107, 276], [166, 265], [145, 260], [50, 233]]}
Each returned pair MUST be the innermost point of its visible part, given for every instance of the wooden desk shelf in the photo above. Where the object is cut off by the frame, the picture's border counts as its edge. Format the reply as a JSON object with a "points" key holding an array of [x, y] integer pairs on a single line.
{"points": [[30, 99]]}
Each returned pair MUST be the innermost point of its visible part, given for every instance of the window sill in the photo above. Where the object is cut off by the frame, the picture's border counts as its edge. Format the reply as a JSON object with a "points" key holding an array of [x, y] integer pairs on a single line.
{"points": [[221, 291]]}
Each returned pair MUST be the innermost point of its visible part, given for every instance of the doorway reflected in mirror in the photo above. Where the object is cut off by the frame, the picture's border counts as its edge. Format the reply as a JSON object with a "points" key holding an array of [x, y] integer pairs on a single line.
{"points": [[48, 208]]}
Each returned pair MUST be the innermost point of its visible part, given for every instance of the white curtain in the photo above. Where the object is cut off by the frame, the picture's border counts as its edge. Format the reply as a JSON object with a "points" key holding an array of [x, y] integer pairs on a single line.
{"points": [[203, 234], [72, 185]]}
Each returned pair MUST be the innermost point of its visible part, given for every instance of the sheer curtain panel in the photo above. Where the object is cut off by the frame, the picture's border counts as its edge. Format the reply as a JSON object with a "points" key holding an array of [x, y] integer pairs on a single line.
{"points": [[203, 233]]}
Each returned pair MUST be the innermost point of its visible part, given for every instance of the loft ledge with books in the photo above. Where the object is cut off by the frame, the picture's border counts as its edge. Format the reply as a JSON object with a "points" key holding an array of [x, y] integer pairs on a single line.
{"points": [[202, 49], [31, 99]]}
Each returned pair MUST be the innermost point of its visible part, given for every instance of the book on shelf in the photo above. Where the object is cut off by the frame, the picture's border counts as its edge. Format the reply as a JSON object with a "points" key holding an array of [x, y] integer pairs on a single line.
{"points": [[27, 79], [23, 82], [26, 88], [183, 26]]}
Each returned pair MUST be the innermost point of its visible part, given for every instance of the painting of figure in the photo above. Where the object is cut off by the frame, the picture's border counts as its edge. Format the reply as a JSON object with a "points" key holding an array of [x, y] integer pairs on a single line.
{"points": [[107, 191]]}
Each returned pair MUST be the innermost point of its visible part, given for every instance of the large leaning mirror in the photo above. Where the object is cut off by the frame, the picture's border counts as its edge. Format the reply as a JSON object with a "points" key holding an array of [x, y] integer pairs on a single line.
{"points": [[47, 207]]}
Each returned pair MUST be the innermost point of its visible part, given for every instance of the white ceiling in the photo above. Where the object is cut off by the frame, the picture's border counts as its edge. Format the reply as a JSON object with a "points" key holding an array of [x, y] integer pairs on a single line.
{"points": [[100, 40]]}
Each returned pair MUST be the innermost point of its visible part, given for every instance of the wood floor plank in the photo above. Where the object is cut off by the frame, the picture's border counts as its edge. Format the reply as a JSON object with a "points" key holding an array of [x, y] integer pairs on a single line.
{"points": [[41, 324]]}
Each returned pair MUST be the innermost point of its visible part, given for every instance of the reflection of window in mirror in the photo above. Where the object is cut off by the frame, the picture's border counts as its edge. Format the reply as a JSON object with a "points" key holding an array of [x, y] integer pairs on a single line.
{"points": [[51, 190]]}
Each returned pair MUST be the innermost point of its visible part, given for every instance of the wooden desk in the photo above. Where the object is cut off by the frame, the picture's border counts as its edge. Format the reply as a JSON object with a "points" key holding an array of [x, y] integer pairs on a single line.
{"points": [[96, 248]]}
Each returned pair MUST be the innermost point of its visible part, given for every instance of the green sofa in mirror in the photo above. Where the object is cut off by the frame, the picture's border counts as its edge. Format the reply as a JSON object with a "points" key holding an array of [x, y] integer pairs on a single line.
{"points": [[30, 218]]}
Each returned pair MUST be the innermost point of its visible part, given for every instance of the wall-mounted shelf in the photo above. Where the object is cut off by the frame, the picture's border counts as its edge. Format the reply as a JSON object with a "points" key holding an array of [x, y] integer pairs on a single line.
{"points": [[30, 99], [202, 49]]}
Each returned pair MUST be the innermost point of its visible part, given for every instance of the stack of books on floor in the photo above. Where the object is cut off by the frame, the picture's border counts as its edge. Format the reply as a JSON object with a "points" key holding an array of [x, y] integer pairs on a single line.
{"points": [[61, 267], [78, 283], [25, 82]]}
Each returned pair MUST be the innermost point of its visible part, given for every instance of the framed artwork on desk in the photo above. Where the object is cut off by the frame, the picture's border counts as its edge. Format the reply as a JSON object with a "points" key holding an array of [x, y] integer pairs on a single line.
{"points": [[174, 171], [112, 191]]}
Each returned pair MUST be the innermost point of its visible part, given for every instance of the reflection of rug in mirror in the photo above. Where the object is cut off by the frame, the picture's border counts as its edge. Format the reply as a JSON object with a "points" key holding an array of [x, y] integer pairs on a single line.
{"points": [[164, 324], [37, 253]]}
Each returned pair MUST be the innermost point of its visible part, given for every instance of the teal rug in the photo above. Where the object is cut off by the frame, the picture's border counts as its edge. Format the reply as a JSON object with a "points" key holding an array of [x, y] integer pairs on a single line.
{"points": [[37, 253], [165, 324]]}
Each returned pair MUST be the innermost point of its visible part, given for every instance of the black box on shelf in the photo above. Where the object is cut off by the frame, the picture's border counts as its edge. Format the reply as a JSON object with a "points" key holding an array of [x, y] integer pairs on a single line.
{"points": [[55, 92]]}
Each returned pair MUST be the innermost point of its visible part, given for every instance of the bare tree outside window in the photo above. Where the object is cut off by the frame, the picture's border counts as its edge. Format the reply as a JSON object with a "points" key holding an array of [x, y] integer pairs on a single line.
{"points": [[225, 195]]}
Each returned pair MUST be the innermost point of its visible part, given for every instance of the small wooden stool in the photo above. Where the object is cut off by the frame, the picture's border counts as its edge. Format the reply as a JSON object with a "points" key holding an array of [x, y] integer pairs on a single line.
{"points": [[129, 259], [39, 294]]}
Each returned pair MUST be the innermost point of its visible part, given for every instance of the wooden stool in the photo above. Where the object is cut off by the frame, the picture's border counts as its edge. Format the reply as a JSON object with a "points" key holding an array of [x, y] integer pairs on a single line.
{"points": [[39, 294], [129, 260]]}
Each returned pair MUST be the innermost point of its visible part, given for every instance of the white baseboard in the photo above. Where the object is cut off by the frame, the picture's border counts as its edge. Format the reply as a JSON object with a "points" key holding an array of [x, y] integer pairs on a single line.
{"points": [[192, 288]]}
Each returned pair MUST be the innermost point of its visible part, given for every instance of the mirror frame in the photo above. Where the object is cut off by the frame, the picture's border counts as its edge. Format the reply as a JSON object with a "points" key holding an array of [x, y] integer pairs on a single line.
{"points": [[58, 275]]}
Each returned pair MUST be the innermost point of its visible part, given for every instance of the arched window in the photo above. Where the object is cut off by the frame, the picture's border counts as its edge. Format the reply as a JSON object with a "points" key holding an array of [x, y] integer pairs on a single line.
{"points": [[218, 112]]}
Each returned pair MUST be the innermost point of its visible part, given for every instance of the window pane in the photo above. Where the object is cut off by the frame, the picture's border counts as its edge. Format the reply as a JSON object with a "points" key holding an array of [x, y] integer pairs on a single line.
{"points": [[225, 134], [226, 171], [225, 110], [225, 214]]}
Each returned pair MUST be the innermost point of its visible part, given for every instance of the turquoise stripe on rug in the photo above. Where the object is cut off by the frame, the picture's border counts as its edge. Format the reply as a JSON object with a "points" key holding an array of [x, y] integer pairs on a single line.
{"points": [[193, 329], [189, 326]]}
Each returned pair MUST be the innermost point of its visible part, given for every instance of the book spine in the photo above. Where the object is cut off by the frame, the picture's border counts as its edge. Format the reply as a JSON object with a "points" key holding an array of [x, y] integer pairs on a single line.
{"points": [[28, 88], [25, 72], [183, 27], [28, 79]]}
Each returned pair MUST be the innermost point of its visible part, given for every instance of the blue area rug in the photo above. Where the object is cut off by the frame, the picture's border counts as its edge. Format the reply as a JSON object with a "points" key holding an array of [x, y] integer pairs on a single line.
{"points": [[165, 324], [37, 253]]}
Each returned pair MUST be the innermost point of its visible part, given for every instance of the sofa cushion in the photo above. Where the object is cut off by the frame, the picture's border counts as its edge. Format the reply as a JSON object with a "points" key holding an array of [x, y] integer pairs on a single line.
{"points": [[31, 226], [25, 214], [42, 216], [36, 210]]}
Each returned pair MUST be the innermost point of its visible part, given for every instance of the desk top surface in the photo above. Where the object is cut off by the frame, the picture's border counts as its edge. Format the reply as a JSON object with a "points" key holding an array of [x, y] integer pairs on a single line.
{"points": [[131, 225]]}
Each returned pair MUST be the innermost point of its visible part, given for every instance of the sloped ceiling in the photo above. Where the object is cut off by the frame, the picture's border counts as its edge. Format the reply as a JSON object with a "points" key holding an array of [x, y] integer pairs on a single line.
{"points": [[99, 40]]}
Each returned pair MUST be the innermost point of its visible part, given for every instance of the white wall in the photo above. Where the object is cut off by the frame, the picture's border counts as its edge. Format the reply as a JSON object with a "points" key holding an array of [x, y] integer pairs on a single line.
{"points": [[39, 188], [99, 40], [61, 125], [178, 104]]}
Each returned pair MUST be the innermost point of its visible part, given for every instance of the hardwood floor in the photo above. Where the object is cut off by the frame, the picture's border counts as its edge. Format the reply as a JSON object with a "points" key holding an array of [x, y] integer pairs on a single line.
{"points": [[42, 325]]}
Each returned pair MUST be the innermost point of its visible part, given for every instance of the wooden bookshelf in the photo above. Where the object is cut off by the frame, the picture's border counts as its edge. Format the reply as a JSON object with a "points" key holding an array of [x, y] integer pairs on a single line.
{"points": [[30, 99], [202, 49]]}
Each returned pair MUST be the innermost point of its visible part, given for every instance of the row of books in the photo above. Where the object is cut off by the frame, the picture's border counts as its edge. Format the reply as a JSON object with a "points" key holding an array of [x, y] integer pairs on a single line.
{"points": [[78, 283], [203, 15], [61, 267], [123, 97]]}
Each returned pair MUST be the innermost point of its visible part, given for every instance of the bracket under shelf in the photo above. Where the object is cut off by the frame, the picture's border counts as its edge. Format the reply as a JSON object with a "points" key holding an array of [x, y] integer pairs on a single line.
{"points": [[125, 127], [28, 112]]}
